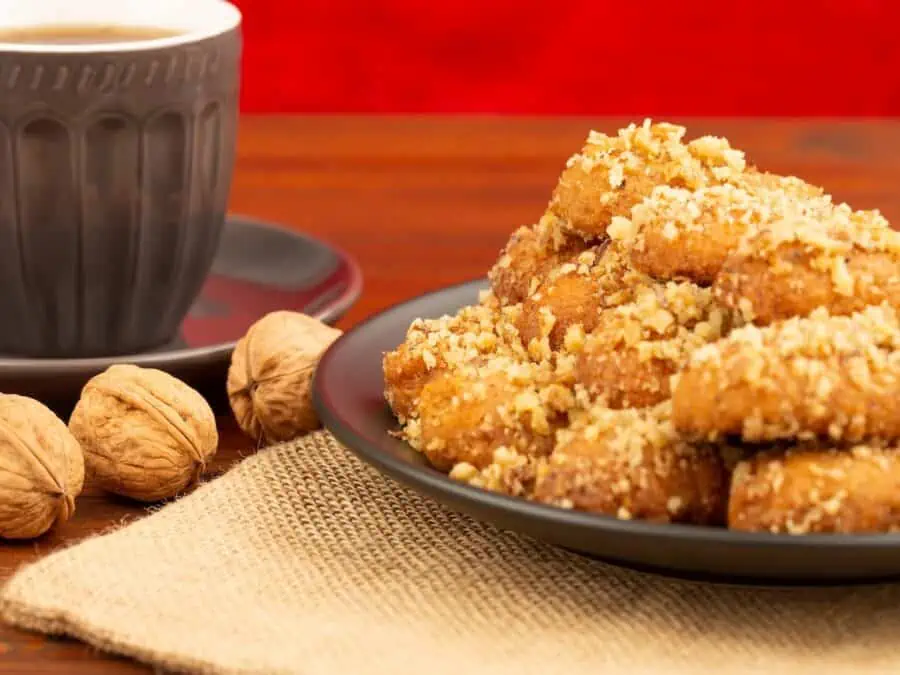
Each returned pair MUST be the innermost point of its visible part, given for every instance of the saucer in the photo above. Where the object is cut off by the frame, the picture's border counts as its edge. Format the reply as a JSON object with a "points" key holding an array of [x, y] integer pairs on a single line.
{"points": [[258, 268]]}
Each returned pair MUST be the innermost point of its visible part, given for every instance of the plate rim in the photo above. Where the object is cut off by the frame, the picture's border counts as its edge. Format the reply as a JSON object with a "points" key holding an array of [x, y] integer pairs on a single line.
{"points": [[426, 480], [35, 367]]}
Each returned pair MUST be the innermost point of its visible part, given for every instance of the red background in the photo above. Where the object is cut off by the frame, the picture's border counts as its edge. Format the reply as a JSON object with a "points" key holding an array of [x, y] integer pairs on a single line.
{"points": [[641, 57]]}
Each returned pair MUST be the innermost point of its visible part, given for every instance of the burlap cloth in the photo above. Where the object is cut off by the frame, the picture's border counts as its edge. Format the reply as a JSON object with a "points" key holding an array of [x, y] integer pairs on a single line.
{"points": [[303, 560]]}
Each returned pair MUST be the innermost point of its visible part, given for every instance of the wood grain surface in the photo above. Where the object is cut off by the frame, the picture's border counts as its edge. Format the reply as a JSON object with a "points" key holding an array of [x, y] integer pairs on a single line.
{"points": [[423, 202]]}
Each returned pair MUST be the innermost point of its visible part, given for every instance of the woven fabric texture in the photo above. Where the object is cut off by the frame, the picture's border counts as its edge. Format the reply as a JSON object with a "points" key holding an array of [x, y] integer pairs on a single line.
{"points": [[303, 560]]}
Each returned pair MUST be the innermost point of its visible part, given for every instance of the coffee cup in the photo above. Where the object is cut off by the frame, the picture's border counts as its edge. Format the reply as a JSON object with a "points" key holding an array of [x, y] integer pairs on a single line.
{"points": [[117, 142]]}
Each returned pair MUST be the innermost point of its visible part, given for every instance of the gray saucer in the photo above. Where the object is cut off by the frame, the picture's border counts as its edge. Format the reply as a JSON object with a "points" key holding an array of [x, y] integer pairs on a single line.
{"points": [[259, 268]]}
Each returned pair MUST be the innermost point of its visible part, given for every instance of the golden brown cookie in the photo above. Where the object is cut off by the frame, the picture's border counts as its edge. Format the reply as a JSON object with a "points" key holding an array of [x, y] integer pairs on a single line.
{"points": [[820, 376], [839, 260], [802, 491], [631, 464], [613, 173]]}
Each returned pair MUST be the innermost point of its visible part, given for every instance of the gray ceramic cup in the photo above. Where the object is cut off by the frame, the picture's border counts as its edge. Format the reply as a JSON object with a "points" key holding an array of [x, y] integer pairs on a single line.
{"points": [[116, 161]]}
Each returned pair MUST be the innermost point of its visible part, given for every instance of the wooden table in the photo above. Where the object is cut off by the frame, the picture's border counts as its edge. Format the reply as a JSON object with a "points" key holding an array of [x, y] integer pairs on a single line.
{"points": [[426, 202]]}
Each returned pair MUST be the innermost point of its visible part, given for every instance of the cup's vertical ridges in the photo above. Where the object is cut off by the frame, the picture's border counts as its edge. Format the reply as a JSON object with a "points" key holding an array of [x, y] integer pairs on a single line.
{"points": [[12, 76], [189, 228], [13, 302], [206, 174], [35, 310], [205, 214], [164, 148], [221, 166], [76, 143], [134, 322], [130, 324], [109, 200], [211, 151], [47, 165]]}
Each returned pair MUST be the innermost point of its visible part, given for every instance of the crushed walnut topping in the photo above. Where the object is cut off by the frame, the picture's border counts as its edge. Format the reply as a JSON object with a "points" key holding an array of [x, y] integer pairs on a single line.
{"points": [[835, 377], [808, 488], [680, 337], [676, 232]]}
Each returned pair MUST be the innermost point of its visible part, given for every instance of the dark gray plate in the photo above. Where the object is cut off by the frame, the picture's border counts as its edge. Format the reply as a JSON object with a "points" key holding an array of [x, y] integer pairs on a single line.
{"points": [[348, 396], [258, 268]]}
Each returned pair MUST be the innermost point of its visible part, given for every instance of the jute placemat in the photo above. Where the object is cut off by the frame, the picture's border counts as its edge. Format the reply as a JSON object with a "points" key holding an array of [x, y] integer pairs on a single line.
{"points": [[303, 560]]}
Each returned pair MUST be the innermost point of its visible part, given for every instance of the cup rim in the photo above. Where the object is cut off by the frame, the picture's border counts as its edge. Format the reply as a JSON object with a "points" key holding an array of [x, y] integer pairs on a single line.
{"points": [[229, 20]]}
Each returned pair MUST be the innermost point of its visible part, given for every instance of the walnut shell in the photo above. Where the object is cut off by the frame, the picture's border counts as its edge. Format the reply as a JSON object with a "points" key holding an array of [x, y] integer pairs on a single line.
{"points": [[271, 374], [145, 434], [41, 468]]}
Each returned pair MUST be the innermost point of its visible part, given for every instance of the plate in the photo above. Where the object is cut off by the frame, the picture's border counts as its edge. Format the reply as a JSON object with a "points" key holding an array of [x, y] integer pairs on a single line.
{"points": [[348, 397], [259, 267]]}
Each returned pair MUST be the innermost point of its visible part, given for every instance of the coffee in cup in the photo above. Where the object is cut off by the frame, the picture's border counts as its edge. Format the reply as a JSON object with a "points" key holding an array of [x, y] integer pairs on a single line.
{"points": [[117, 134]]}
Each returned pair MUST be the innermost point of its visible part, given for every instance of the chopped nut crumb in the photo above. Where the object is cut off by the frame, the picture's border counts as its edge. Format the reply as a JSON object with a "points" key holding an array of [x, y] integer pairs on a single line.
{"points": [[673, 298]]}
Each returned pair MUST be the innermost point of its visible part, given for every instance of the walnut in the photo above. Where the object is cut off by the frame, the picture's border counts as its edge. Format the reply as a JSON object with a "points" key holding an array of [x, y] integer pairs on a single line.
{"points": [[41, 468], [145, 434], [271, 373]]}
